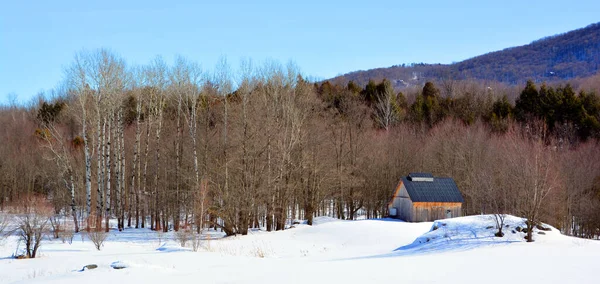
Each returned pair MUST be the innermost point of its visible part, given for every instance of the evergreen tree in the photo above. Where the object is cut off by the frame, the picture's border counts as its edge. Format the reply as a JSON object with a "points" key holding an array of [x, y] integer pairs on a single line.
{"points": [[429, 90], [570, 107], [502, 108], [354, 88], [528, 104], [550, 100], [589, 115], [369, 94]]}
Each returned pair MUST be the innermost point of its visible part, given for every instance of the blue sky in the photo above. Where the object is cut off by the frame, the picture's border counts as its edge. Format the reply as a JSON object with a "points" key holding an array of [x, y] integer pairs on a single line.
{"points": [[324, 38]]}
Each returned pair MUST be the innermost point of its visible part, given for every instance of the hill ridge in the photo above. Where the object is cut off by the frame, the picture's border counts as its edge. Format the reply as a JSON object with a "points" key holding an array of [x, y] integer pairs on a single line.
{"points": [[557, 57]]}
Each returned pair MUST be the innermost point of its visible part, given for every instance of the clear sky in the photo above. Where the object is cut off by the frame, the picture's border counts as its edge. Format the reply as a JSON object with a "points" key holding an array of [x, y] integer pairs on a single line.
{"points": [[324, 38]]}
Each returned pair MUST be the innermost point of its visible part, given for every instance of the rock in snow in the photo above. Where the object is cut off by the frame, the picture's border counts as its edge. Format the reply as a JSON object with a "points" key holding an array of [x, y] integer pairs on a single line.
{"points": [[119, 265], [89, 266]]}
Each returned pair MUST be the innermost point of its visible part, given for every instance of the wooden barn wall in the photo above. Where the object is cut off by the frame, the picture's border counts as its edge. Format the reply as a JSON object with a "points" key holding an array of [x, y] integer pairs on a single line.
{"points": [[430, 211], [402, 203]]}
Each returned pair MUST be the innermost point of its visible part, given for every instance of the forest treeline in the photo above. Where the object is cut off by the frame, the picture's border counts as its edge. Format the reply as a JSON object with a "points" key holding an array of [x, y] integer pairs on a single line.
{"points": [[174, 146]]}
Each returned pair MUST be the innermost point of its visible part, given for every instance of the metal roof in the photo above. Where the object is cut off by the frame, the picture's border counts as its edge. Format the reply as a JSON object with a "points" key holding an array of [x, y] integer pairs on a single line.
{"points": [[441, 189]]}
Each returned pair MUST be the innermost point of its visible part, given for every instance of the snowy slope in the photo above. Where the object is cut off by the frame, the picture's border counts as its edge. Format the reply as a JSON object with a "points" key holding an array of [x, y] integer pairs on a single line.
{"points": [[475, 231], [328, 238], [462, 251]]}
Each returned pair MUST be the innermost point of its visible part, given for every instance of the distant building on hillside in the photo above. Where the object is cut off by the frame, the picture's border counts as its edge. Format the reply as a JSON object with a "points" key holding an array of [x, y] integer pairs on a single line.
{"points": [[421, 197]]}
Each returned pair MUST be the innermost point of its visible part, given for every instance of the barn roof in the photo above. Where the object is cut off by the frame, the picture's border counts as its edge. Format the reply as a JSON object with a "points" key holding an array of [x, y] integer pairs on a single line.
{"points": [[422, 187]]}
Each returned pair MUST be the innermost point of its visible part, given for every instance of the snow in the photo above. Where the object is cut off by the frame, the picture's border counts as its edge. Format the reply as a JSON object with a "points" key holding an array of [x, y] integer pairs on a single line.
{"points": [[474, 231], [458, 250]]}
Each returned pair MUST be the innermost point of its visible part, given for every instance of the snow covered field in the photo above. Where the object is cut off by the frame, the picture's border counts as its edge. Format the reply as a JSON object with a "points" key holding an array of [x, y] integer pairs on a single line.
{"points": [[460, 250]]}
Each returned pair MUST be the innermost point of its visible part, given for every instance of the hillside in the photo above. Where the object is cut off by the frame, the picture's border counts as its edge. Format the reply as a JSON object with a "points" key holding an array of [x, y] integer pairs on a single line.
{"points": [[559, 57], [460, 250]]}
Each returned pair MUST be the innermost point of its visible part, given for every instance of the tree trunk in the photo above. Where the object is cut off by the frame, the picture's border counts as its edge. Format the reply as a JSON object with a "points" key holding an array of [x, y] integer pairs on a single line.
{"points": [[176, 209], [530, 226], [99, 170], [88, 167], [135, 190], [122, 200], [108, 172], [71, 186], [145, 181], [192, 128], [117, 157], [156, 199], [269, 203]]}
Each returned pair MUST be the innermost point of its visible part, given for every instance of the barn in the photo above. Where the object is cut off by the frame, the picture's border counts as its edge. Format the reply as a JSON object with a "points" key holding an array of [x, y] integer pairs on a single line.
{"points": [[421, 197]]}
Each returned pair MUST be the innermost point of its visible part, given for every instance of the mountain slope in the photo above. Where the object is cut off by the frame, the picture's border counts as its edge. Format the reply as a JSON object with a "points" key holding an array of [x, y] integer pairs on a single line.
{"points": [[564, 56]]}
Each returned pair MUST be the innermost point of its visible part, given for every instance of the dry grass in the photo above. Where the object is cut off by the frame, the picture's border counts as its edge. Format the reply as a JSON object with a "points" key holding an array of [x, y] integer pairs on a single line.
{"points": [[256, 249]]}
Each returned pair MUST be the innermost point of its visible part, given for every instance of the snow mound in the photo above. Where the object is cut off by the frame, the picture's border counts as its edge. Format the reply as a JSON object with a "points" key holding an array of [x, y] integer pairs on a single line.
{"points": [[328, 238], [474, 231], [324, 219], [171, 247], [119, 265]]}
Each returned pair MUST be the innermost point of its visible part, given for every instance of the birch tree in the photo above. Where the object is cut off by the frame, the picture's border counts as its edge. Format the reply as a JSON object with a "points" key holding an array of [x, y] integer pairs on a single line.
{"points": [[100, 74], [58, 145], [77, 78], [156, 79], [186, 77]]}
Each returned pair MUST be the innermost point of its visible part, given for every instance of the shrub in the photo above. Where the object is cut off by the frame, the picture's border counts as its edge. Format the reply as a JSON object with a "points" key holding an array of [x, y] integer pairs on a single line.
{"points": [[160, 235], [196, 241], [56, 226], [97, 237], [32, 223], [183, 236], [66, 235]]}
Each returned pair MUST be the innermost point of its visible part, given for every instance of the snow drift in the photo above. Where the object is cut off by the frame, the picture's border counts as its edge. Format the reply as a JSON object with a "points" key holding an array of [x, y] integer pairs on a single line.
{"points": [[474, 231]]}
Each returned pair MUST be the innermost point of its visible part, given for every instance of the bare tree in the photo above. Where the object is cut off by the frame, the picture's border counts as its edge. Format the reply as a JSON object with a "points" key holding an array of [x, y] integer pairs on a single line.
{"points": [[222, 80], [533, 176], [578, 168], [186, 78], [156, 77], [54, 141], [134, 187], [101, 75], [78, 81], [385, 113]]}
